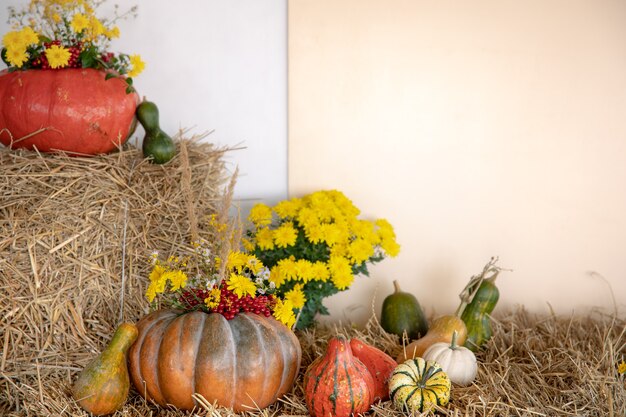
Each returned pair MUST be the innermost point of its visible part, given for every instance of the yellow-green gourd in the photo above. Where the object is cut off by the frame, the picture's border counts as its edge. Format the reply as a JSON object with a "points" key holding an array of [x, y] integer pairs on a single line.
{"points": [[102, 386]]}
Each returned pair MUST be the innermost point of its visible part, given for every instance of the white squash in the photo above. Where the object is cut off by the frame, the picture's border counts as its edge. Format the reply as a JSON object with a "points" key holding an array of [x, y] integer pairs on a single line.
{"points": [[457, 361]]}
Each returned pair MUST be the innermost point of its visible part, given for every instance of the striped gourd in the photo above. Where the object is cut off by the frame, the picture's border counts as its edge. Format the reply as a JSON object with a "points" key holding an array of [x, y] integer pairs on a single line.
{"points": [[337, 384], [419, 385]]}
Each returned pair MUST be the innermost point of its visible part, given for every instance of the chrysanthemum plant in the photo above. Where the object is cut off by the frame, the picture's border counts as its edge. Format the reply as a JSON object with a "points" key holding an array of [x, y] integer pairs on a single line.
{"points": [[315, 246], [57, 34], [214, 280]]}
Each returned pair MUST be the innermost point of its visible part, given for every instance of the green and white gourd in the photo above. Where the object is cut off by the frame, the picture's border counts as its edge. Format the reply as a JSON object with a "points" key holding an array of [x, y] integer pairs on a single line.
{"points": [[419, 385]]}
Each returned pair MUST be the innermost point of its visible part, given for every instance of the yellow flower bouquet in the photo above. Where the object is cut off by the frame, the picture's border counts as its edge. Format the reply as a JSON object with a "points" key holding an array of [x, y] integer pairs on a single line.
{"points": [[314, 246], [57, 34], [212, 282]]}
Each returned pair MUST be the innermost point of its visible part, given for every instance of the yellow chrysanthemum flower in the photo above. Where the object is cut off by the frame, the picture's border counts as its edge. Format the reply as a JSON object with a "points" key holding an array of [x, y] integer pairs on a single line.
{"points": [[285, 235], [158, 280], [113, 33], [304, 270], [344, 204], [29, 36], [157, 273], [213, 300], [96, 28], [320, 271], [296, 296], [307, 217], [621, 368], [288, 208], [137, 66], [288, 268], [391, 247], [241, 285], [277, 276], [260, 215], [79, 23], [58, 56], [332, 233], [360, 251], [13, 40], [17, 56], [342, 280], [236, 261], [283, 312], [340, 272], [265, 239], [314, 233], [177, 279], [254, 264]]}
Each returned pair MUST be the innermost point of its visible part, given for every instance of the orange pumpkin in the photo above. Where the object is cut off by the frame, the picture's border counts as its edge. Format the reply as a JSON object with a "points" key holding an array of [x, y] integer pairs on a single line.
{"points": [[73, 110], [249, 361], [378, 363], [337, 384]]}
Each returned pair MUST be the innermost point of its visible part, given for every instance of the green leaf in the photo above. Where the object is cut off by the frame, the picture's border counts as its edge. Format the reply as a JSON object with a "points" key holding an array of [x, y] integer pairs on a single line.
{"points": [[109, 76]]}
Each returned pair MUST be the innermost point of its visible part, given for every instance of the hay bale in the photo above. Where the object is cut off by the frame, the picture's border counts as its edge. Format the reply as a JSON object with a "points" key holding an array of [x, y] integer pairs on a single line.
{"points": [[75, 236], [75, 239]]}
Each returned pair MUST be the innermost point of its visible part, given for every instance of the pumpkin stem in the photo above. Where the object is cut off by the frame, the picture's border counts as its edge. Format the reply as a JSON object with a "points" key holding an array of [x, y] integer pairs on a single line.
{"points": [[396, 286], [453, 344]]}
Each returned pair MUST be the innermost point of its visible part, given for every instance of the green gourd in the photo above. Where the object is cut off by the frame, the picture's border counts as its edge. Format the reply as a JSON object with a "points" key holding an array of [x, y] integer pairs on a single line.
{"points": [[476, 315], [157, 144], [478, 299], [102, 386], [402, 312]]}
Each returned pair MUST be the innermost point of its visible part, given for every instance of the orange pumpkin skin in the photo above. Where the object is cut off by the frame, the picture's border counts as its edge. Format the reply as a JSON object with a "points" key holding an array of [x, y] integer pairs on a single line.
{"points": [[379, 364], [249, 361], [337, 384], [73, 110]]}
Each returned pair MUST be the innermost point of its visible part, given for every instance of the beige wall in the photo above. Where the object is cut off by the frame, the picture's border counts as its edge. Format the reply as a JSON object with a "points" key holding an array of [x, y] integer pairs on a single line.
{"points": [[478, 128]]}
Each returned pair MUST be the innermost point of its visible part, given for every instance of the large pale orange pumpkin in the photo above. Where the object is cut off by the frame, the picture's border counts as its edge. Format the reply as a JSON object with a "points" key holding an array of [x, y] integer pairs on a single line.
{"points": [[73, 110], [249, 361]]}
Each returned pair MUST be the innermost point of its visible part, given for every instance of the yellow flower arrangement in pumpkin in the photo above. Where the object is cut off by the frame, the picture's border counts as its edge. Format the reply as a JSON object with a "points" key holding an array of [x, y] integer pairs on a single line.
{"points": [[314, 247], [57, 34], [245, 287]]}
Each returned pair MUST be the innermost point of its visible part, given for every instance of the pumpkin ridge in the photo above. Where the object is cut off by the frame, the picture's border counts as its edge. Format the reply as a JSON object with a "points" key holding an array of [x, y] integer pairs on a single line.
{"points": [[318, 378], [197, 349], [264, 352], [345, 367], [333, 398], [275, 338], [160, 325], [409, 374], [135, 351]]}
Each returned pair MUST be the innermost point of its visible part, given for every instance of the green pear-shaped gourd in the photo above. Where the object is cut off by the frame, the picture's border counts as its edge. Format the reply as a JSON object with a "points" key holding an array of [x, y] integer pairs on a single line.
{"points": [[157, 145], [402, 312], [477, 314], [102, 386]]}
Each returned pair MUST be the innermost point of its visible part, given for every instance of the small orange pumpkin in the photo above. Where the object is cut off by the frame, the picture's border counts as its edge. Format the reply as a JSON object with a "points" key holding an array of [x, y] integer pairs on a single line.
{"points": [[378, 363], [337, 384], [249, 361]]}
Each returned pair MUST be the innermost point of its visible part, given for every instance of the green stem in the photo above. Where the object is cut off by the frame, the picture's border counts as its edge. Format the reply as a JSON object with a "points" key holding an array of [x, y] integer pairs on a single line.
{"points": [[453, 344]]}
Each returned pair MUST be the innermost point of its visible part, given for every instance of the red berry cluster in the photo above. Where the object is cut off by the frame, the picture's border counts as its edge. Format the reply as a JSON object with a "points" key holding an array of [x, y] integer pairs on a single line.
{"points": [[193, 297], [107, 57], [42, 61], [230, 305]]}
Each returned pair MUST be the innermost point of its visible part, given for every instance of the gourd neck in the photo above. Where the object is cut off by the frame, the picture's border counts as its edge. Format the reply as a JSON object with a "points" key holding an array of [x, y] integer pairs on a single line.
{"points": [[122, 340]]}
